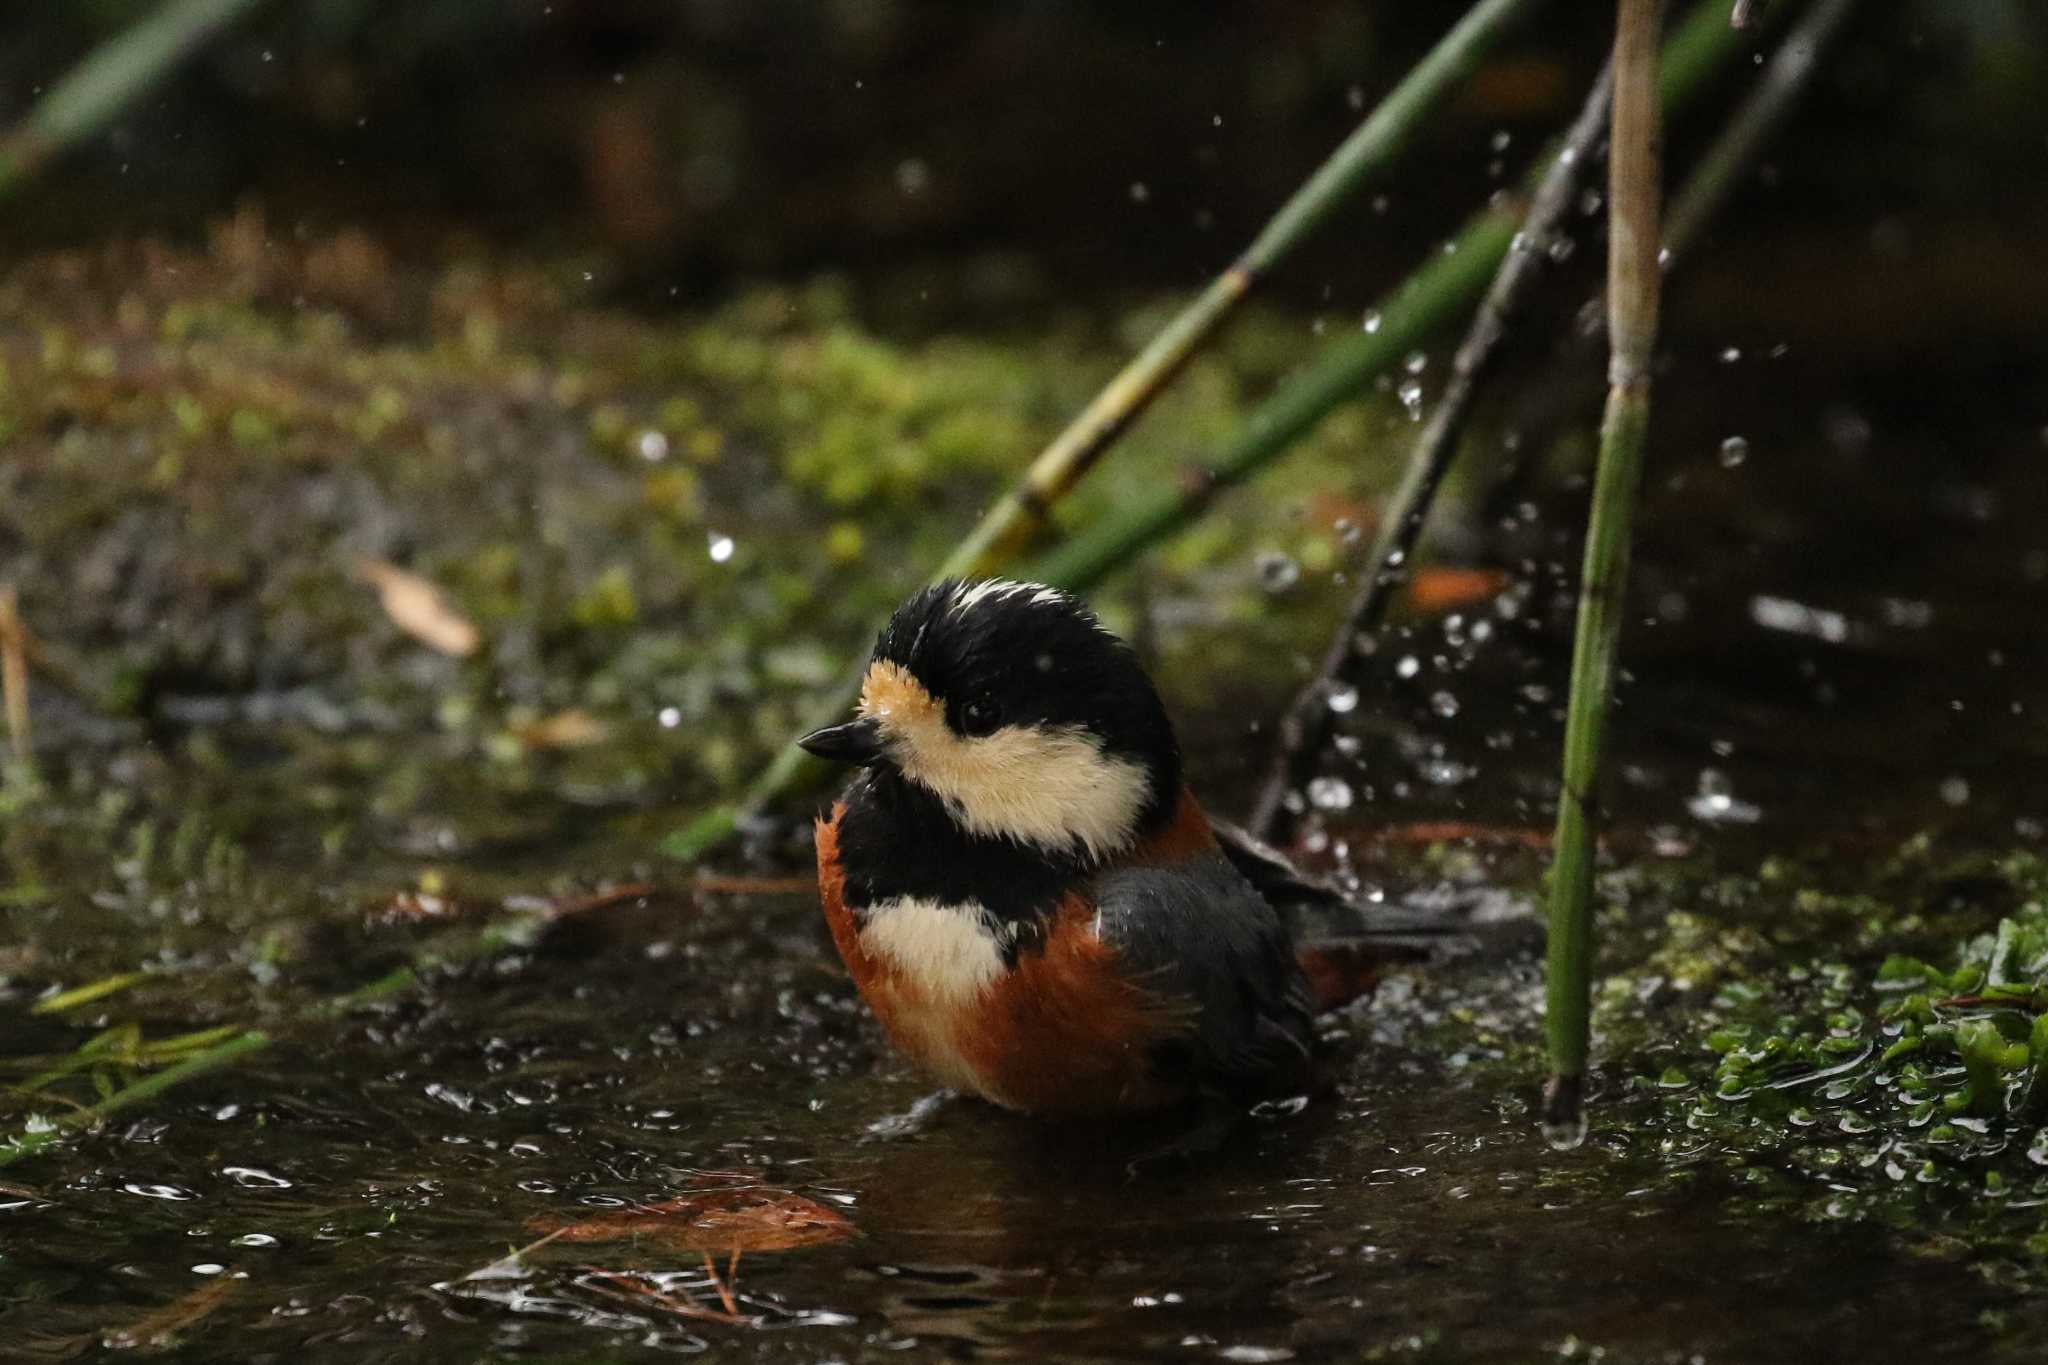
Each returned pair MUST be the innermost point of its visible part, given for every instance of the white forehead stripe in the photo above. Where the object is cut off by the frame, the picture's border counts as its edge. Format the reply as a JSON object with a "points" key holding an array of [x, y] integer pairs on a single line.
{"points": [[970, 595]]}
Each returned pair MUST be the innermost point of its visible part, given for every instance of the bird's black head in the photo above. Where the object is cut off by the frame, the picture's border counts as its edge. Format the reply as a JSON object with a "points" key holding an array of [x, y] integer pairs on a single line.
{"points": [[1011, 704]]}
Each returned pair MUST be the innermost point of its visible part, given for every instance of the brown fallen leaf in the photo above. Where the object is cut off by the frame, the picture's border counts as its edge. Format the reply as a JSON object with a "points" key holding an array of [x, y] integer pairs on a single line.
{"points": [[723, 1220], [419, 609], [1442, 589]]}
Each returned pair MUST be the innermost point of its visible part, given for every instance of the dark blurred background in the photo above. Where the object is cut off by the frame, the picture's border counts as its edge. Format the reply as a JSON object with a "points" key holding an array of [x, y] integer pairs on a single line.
{"points": [[1115, 145]]}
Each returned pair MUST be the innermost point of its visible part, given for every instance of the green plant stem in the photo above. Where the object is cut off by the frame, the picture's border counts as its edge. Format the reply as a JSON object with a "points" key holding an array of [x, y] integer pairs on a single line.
{"points": [[1634, 284], [1009, 525], [118, 72], [1436, 292], [149, 1087], [86, 994]]}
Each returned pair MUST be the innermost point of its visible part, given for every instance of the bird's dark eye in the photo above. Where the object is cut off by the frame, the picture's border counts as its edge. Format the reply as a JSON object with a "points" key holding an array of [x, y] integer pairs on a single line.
{"points": [[980, 716]]}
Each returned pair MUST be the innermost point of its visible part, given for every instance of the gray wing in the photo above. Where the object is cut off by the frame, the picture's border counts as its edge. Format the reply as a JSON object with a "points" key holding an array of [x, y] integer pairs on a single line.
{"points": [[1314, 912], [1198, 931]]}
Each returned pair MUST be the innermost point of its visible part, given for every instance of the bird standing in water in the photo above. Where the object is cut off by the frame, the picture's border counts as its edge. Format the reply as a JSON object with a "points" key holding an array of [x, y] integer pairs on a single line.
{"points": [[1031, 900]]}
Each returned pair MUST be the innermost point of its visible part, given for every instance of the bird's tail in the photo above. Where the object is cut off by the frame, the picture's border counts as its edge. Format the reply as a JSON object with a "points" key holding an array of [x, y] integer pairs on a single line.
{"points": [[1344, 947]]}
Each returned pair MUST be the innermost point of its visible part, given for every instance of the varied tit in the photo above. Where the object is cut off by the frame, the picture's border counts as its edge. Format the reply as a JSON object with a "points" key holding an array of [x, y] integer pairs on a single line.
{"points": [[1030, 899]]}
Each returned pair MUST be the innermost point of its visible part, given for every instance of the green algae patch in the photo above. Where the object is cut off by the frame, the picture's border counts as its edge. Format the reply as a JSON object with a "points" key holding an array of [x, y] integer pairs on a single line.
{"points": [[1870, 1054]]}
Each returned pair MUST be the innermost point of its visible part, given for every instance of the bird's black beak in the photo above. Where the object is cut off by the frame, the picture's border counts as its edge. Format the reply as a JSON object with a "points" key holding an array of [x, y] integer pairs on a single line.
{"points": [[857, 741]]}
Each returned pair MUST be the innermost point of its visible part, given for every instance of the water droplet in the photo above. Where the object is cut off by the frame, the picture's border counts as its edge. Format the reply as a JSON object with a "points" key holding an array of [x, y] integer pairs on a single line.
{"points": [[670, 717], [1277, 572], [1140, 191], [1372, 320], [1408, 666], [1416, 362], [652, 445], [1329, 793], [1564, 1135], [208, 1268], [256, 1239], [913, 177], [1410, 394], [450, 1096], [1444, 704], [1502, 140], [1343, 700], [1445, 772], [177, 1192], [719, 546], [1955, 791], [1730, 354], [251, 1177], [1734, 451], [1715, 801]]}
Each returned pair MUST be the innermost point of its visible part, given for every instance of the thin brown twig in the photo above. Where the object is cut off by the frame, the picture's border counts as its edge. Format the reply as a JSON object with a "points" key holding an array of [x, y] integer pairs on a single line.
{"points": [[1307, 722], [732, 885], [633, 1288], [717, 1283], [603, 900], [14, 674]]}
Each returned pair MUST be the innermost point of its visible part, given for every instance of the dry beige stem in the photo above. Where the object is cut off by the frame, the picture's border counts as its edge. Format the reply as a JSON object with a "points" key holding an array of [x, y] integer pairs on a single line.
{"points": [[14, 672]]}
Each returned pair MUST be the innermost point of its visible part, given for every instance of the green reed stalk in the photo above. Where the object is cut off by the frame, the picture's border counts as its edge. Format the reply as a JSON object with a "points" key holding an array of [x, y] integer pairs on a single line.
{"points": [[1634, 285], [118, 72]]}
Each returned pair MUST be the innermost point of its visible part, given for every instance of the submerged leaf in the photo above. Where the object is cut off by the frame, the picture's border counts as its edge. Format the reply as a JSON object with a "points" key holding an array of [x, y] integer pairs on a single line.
{"points": [[748, 1219]]}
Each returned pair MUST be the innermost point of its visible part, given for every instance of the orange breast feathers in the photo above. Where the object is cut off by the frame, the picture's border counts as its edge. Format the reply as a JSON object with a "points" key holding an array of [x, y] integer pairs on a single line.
{"points": [[1064, 1030]]}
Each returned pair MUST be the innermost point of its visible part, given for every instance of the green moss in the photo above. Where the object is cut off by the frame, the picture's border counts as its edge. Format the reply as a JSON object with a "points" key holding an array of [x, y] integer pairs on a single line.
{"points": [[1876, 1044]]}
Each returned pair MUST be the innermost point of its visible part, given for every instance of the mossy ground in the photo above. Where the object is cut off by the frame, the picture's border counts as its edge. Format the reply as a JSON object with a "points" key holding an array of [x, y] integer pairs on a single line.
{"points": [[671, 532]]}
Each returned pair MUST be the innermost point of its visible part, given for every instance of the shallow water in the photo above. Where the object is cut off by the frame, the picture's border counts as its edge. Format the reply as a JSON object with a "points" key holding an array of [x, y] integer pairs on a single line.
{"points": [[356, 1189], [1853, 674]]}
